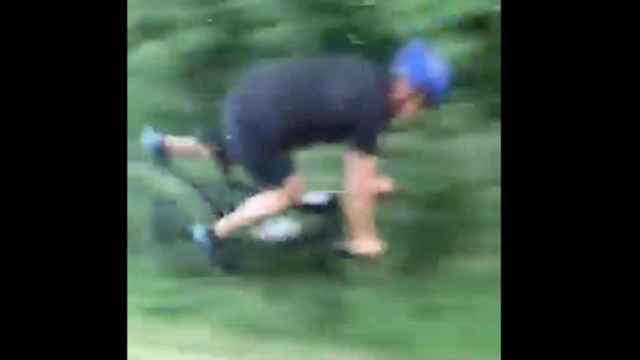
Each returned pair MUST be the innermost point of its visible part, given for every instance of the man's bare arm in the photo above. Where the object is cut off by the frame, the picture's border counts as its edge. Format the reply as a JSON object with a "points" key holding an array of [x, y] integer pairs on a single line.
{"points": [[362, 185]]}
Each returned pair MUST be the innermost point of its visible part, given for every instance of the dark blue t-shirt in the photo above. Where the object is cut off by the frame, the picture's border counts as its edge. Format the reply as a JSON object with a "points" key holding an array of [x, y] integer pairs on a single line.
{"points": [[300, 102]]}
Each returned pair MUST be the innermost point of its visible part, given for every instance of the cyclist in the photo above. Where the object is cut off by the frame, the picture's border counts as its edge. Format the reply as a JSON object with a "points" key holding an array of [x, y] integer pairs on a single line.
{"points": [[291, 104]]}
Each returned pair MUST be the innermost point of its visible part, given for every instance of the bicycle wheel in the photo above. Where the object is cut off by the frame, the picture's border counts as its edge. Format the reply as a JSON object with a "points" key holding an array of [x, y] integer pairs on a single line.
{"points": [[171, 246]]}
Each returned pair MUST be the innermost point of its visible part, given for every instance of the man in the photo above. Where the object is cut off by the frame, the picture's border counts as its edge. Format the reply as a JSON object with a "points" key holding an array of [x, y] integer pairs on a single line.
{"points": [[296, 103]]}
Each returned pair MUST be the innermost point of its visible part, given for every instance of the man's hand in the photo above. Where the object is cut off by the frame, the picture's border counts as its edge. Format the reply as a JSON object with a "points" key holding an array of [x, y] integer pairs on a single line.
{"points": [[384, 185]]}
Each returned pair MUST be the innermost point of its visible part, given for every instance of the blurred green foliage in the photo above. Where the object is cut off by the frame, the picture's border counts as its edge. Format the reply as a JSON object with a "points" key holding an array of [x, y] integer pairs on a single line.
{"points": [[184, 56]]}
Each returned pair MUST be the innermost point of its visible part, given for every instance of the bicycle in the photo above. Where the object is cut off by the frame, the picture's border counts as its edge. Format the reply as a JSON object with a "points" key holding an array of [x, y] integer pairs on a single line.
{"points": [[315, 226]]}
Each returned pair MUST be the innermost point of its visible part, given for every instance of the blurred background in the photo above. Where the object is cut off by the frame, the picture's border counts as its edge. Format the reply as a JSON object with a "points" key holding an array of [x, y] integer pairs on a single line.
{"points": [[436, 295]]}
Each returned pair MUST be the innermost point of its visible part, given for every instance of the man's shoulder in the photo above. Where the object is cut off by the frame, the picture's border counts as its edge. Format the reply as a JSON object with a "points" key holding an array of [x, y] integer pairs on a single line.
{"points": [[332, 80]]}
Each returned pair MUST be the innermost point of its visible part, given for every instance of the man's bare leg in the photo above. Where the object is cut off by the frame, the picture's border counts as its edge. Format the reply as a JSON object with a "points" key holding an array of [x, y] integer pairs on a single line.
{"points": [[257, 207], [187, 146], [162, 145]]}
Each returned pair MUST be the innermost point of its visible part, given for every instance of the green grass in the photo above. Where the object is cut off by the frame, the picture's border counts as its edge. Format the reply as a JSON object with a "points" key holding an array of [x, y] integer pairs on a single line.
{"points": [[453, 316], [378, 313]]}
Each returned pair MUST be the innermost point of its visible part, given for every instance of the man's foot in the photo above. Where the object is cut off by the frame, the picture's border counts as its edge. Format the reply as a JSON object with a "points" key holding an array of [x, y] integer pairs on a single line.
{"points": [[206, 240], [153, 143], [218, 252]]}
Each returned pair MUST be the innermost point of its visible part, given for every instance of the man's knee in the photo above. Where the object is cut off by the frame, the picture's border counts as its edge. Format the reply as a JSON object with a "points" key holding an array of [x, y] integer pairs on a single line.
{"points": [[288, 194], [294, 188]]}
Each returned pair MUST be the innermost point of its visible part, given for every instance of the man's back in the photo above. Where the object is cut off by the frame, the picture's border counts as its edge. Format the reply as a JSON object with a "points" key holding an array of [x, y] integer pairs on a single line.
{"points": [[325, 99]]}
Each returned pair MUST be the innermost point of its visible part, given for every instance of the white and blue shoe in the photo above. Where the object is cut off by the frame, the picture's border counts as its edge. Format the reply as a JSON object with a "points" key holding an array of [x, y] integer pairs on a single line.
{"points": [[217, 252], [201, 235], [153, 144]]}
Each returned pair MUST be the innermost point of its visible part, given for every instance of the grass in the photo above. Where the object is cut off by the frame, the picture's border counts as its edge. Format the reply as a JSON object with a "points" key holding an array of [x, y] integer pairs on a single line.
{"points": [[456, 315], [377, 313]]}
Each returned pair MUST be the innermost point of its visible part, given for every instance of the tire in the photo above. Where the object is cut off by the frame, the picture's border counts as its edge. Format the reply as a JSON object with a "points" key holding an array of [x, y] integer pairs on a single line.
{"points": [[171, 246]]}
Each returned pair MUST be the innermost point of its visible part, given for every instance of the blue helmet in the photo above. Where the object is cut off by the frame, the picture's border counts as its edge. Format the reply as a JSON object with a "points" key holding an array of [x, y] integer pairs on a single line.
{"points": [[425, 69]]}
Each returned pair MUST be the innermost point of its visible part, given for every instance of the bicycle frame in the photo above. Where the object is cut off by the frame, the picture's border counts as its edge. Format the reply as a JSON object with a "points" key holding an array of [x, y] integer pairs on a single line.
{"points": [[322, 203]]}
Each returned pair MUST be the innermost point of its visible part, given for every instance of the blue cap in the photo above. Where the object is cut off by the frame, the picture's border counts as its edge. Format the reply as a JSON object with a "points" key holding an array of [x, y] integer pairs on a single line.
{"points": [[425, 69]]}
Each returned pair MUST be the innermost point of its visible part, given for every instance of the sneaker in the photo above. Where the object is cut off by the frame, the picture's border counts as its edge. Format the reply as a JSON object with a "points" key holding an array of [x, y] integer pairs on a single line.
{"points": [[205, 239], [153, 143], [218, 252]]}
